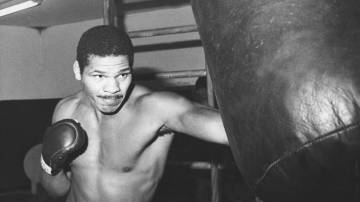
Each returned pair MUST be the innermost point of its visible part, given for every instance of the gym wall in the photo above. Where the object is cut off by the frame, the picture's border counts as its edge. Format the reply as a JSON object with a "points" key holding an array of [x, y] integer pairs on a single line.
{"points": [[37, 63]]}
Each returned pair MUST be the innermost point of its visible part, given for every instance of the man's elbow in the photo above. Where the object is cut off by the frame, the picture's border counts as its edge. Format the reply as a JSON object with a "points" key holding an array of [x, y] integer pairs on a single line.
{"points": [[220, 139], [55, 187], [54, 191], [224, 141]]}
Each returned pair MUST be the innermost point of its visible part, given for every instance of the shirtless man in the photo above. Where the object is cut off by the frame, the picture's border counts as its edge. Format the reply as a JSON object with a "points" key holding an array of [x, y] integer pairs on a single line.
{"points": [[116, 152]]}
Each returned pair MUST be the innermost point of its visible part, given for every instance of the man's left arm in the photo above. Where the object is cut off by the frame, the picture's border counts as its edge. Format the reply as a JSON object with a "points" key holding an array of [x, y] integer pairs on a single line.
{"points": [[206, 123], [196, 120]]}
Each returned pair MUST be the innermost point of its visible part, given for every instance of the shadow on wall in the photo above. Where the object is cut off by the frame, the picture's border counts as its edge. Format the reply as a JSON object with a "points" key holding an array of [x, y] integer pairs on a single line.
{"points": [[23, 124]]}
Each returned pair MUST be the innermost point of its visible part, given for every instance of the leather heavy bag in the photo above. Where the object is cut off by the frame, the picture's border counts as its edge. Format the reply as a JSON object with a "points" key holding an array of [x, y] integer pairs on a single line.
{"points": [[286, 75]]}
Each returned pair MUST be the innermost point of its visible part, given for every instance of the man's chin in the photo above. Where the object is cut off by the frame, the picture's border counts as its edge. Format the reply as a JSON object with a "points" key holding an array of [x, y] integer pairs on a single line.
{"points": [[108, 110]]}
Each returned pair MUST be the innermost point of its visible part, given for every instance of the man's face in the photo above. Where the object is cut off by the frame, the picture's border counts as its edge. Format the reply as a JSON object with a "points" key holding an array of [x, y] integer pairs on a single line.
{"points": [[106, 81]]}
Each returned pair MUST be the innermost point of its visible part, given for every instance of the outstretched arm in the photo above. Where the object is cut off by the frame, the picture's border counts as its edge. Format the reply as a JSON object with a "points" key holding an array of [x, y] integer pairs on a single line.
{"points": [[187, 117]]}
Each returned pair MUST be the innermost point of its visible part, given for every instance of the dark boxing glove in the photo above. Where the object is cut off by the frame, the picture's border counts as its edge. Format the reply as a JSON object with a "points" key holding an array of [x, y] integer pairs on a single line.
{"points": [[62, 143]]}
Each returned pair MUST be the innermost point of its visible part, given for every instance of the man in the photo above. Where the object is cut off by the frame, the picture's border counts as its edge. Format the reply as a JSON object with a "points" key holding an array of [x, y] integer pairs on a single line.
{"points": [[104, 144]]}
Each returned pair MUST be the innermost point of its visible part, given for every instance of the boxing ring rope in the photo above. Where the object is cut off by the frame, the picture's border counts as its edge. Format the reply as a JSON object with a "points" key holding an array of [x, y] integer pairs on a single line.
{"points": [[171, 74], [163, 31], [110, 18], [196, 165]]}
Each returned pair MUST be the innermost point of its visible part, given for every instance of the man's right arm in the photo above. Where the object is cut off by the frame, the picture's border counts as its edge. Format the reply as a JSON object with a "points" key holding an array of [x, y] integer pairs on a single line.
{"points": [[62, 143], [57, 185]]}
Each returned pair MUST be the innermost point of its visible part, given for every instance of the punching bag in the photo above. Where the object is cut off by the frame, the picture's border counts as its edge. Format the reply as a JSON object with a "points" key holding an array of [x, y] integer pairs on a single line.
{"points": [[286, 76]]}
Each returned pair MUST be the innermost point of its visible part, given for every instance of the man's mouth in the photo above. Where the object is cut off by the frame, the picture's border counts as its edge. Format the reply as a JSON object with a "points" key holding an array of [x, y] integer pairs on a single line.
{"points": [[111, 99]]}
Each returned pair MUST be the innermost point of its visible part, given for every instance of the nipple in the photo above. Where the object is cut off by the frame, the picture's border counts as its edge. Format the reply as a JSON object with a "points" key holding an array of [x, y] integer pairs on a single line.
{"points": [[127, 169]]}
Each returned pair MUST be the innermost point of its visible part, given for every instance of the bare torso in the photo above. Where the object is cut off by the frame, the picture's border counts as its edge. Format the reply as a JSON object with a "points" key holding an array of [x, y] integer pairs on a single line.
{"points": [[125, 157]]}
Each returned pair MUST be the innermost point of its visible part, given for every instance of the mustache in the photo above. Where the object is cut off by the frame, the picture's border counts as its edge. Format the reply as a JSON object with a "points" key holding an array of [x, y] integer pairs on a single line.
{"points": [[111, 97]]}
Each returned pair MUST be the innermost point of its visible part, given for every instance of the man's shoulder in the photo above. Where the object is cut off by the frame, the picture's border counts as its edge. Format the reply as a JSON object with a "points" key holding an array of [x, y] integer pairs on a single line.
{"points": [[162, 100], [67, 106], [152, 97], [69, 100]]}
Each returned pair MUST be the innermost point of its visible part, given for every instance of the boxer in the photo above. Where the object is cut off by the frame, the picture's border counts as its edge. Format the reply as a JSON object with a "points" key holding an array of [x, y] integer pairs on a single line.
{"points": [[104, 144]]}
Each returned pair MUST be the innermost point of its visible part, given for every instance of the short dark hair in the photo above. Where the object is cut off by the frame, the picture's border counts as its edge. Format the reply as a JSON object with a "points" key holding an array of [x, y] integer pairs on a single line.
{"points": [[103, 40]]}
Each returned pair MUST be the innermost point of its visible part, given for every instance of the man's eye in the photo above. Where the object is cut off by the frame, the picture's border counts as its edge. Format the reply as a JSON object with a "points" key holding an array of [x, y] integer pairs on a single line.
{"points": [[124, 75], [98, 76]]}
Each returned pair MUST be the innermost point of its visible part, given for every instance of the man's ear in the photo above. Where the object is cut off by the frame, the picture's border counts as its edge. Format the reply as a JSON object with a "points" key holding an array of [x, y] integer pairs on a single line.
{"points": [[76, 70]]}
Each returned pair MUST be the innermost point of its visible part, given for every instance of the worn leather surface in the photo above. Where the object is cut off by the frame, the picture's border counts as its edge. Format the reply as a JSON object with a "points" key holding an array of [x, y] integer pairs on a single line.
{"points": [[286, 73], [63, 142]]}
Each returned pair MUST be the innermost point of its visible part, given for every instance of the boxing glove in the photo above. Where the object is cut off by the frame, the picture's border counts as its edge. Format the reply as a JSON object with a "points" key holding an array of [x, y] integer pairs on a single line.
{"points": [[62, 143]]}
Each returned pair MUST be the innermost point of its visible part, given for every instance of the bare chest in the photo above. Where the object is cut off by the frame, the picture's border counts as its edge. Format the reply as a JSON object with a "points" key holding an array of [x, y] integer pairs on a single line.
{"points": [[123, 145]]}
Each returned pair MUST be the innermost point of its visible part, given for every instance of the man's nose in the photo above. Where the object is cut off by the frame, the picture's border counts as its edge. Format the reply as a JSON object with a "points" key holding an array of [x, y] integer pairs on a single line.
{"points": [[112, 86]]}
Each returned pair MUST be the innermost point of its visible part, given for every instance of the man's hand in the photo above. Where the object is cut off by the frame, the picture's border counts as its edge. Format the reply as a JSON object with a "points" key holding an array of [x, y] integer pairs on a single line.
{"points": [[63, 142]]}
